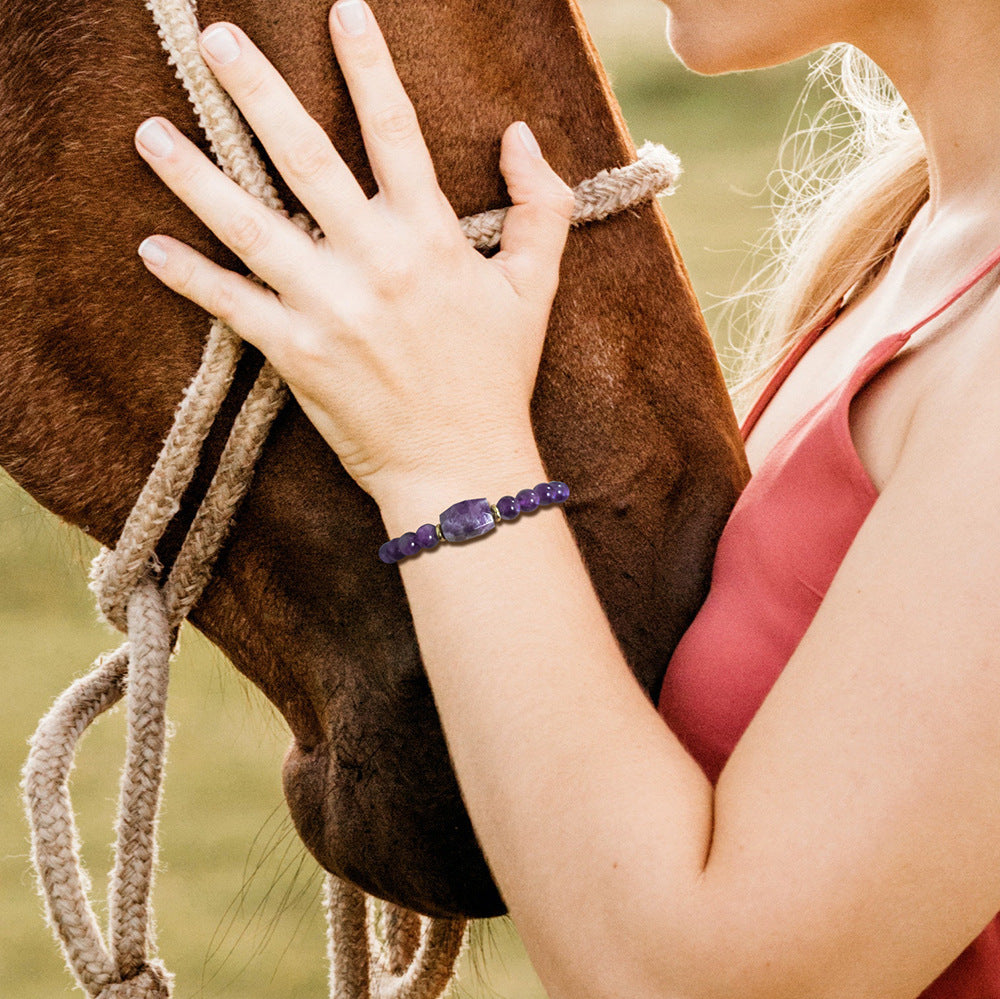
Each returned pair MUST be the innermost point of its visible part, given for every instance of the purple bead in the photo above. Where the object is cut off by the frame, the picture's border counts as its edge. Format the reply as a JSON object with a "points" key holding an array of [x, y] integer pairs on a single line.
{"points": [[508, 507], [408, 544], [546, 493], [467, 519], [389, 552], [527, 500], [427, 536], [561, 491]]}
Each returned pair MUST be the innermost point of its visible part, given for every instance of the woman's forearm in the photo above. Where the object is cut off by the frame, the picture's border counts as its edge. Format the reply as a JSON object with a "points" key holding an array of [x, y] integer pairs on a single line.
{"points": [[593, 817]]}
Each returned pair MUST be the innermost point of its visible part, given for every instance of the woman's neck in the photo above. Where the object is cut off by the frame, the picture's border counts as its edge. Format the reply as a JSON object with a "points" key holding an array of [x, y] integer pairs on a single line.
{"points": [[943, 60]]}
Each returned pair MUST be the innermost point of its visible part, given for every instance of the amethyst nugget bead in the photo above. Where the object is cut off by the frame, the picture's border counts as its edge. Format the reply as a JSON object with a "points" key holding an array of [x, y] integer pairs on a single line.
{"points": [[467, 519]]}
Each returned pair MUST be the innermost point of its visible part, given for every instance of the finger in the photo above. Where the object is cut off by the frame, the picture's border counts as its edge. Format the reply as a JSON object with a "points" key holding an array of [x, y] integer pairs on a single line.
{"points": [[250, 310], [299, 147], [396, 149], [536, 226], [272, 246]]}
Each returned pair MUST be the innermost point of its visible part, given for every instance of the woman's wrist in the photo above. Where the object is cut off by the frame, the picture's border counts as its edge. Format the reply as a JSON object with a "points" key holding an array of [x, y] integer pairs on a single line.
{"points": [[504, 469]]}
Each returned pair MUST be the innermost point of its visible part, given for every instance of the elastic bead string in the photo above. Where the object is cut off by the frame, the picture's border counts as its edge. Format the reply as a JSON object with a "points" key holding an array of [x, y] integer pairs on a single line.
{"points": [[470, 518]]}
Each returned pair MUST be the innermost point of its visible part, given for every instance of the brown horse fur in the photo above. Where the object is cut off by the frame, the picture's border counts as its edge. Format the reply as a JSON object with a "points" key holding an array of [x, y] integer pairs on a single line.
{"points": [[630, 408]]}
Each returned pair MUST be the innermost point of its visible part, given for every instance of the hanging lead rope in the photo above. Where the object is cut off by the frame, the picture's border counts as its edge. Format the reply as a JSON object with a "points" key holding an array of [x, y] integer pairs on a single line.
{"points": [[419, 954]]}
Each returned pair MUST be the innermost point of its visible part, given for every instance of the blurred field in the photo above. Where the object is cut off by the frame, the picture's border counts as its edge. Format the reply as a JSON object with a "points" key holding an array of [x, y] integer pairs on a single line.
{"points": [[237, 900]]}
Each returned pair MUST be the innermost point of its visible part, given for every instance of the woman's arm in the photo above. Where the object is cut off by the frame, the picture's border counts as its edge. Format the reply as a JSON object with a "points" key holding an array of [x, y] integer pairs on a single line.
{"points": [[852, 847], [588, 809]]}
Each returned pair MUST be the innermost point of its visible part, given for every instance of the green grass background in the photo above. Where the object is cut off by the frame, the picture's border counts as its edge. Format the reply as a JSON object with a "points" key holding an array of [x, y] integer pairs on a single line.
{"points": [[236, 898]]}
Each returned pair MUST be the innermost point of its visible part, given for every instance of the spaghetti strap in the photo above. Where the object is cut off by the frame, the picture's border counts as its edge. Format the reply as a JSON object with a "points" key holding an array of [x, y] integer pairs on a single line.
{"points": [[785, 369], [810, 338]]}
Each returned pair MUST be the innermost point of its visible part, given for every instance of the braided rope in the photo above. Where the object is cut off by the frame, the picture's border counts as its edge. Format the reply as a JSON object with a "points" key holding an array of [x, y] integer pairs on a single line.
{"points": [[417, 963], [418, 957]]}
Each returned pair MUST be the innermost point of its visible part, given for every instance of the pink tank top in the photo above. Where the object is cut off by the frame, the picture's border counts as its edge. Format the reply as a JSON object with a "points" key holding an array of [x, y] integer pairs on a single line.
{"points": [[776, 557]]}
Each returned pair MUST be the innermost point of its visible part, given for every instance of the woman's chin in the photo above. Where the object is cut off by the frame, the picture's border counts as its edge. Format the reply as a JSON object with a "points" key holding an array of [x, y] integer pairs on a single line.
{"points": [[703, 49], [698, 53]]}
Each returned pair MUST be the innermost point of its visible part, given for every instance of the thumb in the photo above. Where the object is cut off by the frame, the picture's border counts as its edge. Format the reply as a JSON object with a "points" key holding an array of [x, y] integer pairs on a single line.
{"points": [[535, 228]]}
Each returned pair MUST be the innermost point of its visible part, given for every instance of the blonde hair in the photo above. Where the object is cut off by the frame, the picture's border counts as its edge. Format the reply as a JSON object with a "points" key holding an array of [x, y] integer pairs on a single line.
{"points": [[857, 177]]}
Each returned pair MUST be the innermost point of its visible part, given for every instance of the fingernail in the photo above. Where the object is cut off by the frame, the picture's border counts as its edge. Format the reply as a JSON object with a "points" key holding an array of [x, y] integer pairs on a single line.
{"points": [[528, 139], [152, 252], [154, 138], [220, 43], [352, 16]]}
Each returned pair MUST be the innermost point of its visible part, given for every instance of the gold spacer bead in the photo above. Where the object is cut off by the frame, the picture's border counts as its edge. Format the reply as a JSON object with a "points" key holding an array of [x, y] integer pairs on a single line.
{"points": [[437, 531], [497, 519]]}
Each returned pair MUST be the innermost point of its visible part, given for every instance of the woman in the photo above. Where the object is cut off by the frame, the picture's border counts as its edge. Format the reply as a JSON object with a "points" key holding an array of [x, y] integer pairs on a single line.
{"points": [[840, 838]]}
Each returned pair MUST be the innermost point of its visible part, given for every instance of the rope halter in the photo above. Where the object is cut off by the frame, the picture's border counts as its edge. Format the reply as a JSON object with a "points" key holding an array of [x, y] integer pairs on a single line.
{"points": [[419, 955]]}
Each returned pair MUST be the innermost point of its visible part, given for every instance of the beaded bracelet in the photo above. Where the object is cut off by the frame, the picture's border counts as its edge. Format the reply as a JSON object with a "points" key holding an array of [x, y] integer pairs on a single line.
{"points": [[470, 518]]}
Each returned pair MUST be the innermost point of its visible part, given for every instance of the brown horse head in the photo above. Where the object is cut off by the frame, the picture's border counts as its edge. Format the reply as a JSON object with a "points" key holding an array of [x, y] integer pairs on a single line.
{"points": [[630, 408]]}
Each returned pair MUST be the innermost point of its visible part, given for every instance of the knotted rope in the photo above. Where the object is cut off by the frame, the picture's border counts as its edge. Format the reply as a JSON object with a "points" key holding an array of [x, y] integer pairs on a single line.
{"points": [[419, 955]]}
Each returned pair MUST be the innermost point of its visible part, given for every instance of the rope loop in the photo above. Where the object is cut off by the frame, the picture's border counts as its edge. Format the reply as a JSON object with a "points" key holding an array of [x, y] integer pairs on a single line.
{"points": [[138, 669], [417, 961]]}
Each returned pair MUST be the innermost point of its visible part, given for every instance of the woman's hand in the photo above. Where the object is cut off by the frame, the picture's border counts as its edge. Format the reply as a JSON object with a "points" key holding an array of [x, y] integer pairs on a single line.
{"points": [[407, 349]]}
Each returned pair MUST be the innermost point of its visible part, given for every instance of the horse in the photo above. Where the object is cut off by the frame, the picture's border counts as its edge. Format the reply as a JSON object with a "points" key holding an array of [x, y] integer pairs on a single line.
{"points": [[630, 407]]}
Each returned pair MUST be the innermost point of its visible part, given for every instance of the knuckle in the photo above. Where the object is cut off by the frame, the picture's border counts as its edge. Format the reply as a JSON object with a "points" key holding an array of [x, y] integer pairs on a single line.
{"points": [[221, 300], [254, 86], [309, 350], [303, 348], [443, 238], [246, 232], [393, 276], [395, 123], [563, 200], [308, 159], [187, 276]]}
